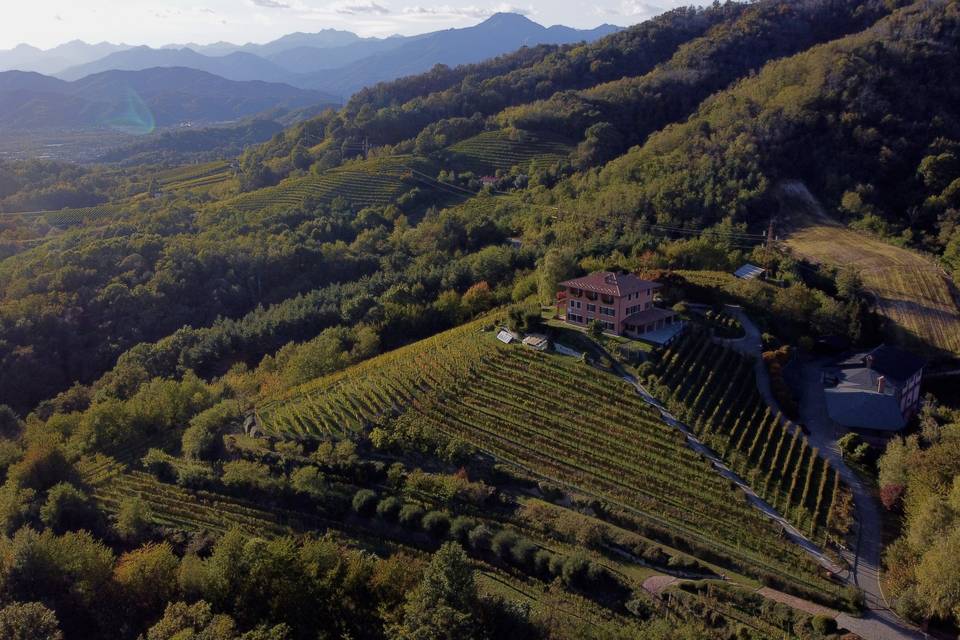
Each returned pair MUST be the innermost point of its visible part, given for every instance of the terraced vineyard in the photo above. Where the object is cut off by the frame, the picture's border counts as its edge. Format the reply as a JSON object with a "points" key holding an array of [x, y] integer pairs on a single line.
{"points": [[191, 510], [196, 176], [715, 387], [553, 417], [492, 150], [373, 182]]}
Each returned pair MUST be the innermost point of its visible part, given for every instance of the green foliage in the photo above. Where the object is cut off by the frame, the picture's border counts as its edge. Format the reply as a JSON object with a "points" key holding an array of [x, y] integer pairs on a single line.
{"points": [[249, 474], [29, 621], [69, 573], [365, 502], [66, 509], [133, 519], [202, 439], [445, 602]]}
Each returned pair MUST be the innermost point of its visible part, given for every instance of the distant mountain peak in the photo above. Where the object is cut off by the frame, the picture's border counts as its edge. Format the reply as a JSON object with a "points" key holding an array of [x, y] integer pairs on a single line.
{"points": [[504, 18]]}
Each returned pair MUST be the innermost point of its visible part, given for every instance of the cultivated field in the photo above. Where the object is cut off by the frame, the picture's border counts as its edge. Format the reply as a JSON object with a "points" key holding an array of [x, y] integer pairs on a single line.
{"points": [[913, 292], [367, 183], [553, 417], [492, 150], [196, 176]]}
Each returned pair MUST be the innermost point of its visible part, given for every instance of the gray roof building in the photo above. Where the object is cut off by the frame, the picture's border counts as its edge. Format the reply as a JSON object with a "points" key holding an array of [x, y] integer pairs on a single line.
{"points": [[878, 390]]}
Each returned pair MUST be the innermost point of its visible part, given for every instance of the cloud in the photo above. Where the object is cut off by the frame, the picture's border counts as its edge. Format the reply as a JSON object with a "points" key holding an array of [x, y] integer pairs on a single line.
{"points": [[471, 11], [352, 8], [639, 8], [270, 4]]}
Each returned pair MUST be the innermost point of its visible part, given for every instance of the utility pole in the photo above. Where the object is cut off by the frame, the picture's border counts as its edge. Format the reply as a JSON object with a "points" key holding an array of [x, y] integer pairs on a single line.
{"points": [[769, 244]]}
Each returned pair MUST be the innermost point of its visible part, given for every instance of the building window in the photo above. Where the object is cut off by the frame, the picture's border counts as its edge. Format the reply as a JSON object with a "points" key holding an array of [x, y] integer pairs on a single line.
{"points": [[605, 299], [609, 326], [592, 308], [572, 317], [607, 311], [575, 304]]}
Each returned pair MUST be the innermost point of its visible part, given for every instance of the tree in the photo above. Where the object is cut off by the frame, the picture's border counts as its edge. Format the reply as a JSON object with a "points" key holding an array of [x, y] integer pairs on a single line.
{"points": [[10, 424], [182, 621], [66, 508], [147, 581], [938, 577], [478, 298], [133, 518], [555, 266], [596, 329], [29, 621], [444, 604]]}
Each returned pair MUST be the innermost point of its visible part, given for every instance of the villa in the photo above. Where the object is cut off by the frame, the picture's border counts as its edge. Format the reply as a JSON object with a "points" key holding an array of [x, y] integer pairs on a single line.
{"points": [[875, 391], [621, 302]]}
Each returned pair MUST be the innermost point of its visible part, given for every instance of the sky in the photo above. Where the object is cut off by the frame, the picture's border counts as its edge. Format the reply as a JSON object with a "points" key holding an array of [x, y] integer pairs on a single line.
{"points": [[47, 23]]}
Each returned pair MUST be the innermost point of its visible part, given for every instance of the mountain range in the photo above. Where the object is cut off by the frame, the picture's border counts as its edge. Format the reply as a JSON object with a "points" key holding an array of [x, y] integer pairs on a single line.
{"points": [[332, 61], [138, 101]]}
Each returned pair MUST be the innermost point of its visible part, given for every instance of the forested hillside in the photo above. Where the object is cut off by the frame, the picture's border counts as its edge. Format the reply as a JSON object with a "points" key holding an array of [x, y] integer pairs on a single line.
{"points": [[277, 374]]}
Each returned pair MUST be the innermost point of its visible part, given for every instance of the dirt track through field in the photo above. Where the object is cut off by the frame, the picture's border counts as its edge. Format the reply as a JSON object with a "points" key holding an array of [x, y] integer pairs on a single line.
{"points": [[908, 288]]}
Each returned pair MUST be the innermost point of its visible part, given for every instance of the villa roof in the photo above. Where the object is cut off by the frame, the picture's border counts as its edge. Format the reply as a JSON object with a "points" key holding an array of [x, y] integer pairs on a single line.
{"points": [[611, 284], [649, 315], [864, 409], [892, 363]]}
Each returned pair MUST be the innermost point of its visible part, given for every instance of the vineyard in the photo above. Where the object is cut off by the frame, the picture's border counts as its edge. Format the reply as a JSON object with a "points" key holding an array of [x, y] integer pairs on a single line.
{"points": [[492, 150], [911, 291], [69, 217], [714, 388], [196, 176], [551, 416], [366, 183]]}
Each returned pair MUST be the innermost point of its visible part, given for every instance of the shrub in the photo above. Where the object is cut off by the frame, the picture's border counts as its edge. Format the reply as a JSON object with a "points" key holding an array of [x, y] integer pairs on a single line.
{"points": [[523, 552], [575, 571], [364, 502], [309, 480], [824, 625], [159, 464], [436, 523], [194, 475], [541, 562], [502, 543], [556, 565], [460, 528], [479, 538], [389, 509], [244, 473], [410, 516]]}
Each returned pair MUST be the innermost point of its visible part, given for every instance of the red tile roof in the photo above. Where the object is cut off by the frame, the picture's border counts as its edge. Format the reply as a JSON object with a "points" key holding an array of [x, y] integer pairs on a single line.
{"points": [[611, 284], [649, 315]]}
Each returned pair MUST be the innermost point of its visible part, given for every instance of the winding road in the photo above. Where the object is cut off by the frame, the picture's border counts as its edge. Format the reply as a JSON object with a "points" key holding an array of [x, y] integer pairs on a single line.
{"points": [[878, 620]]}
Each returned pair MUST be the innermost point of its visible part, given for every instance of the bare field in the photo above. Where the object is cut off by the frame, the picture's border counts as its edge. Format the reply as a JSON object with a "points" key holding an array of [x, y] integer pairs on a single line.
{"points": [[910, 290]]}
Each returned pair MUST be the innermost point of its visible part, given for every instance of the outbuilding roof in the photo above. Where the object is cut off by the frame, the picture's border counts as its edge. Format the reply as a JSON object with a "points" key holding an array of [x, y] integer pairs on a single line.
{"points": [[748, 271], [611, 284], [649, 315]]}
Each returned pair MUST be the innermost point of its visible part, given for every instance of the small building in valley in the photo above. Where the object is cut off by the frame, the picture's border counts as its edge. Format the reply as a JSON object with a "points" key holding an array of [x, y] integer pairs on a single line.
{"points": [[874, 391], [749, 272], [621, 302]]}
